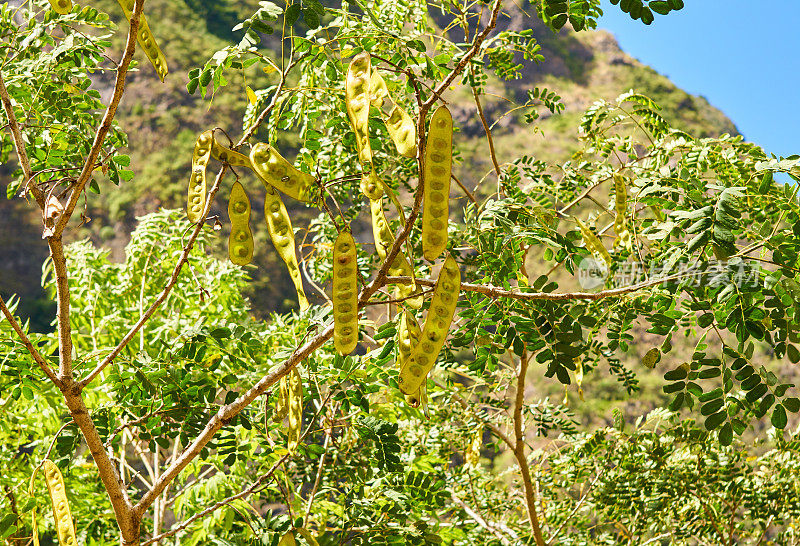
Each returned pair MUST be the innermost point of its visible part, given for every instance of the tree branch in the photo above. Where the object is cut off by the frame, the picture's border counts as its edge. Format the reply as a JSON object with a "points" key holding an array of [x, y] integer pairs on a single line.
{"points": [[37, 357], [105, 124], [19, 144]]}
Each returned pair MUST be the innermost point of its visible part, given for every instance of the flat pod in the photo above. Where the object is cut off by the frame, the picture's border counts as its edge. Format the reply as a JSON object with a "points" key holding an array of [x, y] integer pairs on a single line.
{"points": [[295, 387], [400, 267], [274, 170], [438, 162], [437, 324], [282, 401], [280, 230], [62, 7], [61, 511], [357, 101], [231, 157], [377, 89], [408, 334], [345, 294], [287, 540], [403, 132], [592, 243], [197, 182], [146, 40], [240, 241]]}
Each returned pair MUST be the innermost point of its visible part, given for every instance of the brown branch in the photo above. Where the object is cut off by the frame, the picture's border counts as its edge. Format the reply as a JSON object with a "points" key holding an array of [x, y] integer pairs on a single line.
{"points": [[464, 189], [64, 327], [19, 144], [488, 133], [37, 357], [519, 450], [459, 68], [105, 124], [495, 292]]}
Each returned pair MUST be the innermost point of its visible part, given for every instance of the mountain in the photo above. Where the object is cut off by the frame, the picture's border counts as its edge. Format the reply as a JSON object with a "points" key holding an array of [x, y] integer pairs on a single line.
{"points": [[162, 121]]}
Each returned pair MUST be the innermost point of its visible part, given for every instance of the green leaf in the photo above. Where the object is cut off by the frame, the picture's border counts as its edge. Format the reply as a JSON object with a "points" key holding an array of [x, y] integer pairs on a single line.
{"points": [[779, 419], [292, 14], [716, 420], [726, 434], [792, 404], [651, 358]]}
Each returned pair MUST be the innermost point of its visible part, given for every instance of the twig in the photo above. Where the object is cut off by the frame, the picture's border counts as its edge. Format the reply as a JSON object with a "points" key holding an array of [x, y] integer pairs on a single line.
{"points": [[37, 357], [479, 519], [464, 189]]}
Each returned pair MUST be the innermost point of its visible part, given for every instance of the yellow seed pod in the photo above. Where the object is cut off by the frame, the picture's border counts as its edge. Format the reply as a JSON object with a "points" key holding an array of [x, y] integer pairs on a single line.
{"points": [[295, 391], [308, 536], [371, 185], [197, 182], [231, 157], [146, 40], [437, 324], [377, 89], [357, 100], [275, 170], [345, 294], [240, 242], [287, 540], [282, 401], [593, 244], [61, 511], [403, 132], [438, 161], [473, 454], [384, 239], [408, 334], [62, 7], [280, 230], [621, 209]]}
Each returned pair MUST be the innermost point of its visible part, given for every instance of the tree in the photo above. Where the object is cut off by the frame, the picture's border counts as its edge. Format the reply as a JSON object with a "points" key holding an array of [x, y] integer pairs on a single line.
{"points": [[157, 381]]}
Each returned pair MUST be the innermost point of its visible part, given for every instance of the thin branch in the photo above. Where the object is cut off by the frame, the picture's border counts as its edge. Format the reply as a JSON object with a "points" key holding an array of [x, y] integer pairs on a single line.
{"points": [[574, 510], [105, 124], [48, 371], [255, 485], [19, 144], [464, 189], [495, 292], [63, 324], [488, 132], [479, 519]]}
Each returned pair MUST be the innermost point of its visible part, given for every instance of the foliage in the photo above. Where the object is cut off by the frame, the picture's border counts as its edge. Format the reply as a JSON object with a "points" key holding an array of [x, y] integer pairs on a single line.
{"points": [[171, 386]]}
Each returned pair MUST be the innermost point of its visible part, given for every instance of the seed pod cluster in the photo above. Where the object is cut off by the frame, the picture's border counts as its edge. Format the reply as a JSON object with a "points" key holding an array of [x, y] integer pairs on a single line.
{"points": [[62, 7], [436, 194], [345, 294], [357, 102], [240, 242], [400, 267], [146, 40], [61, 511], [275, 170], [280, 230], [437, 324], [231, 157], [197, 182], [593, 244], [295, 388]]}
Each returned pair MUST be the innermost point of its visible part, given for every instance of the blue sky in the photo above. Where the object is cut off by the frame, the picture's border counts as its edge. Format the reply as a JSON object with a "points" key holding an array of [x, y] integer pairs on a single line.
{"points": [[742, 55]]}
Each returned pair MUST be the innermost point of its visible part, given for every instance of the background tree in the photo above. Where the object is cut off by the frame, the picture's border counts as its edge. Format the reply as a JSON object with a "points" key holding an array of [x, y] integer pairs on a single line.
{"points": [[170, 388]]}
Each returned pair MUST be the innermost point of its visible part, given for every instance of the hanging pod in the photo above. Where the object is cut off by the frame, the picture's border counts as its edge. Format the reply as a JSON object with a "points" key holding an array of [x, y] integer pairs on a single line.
{"points": [[197, 182], [146, 40], [436, 193], [437, 324], [280, 230], [400, 267], [345, 294], [240, 241], [274, 170], [357, 101]]}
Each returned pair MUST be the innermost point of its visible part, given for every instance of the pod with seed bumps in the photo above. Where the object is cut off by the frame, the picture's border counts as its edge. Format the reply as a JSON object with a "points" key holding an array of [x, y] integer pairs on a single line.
{"points": [[146, 40], [437, 324], [240, 242], [282, 401], [403, 132], [345, 294], [436, 193], [276, 171], [231, 157], [378, 91], [400, 267], [295, 389], [357, 100], [61, 511], [197, 182], [280, 230], [371, 185], [408, 334]]}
